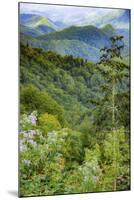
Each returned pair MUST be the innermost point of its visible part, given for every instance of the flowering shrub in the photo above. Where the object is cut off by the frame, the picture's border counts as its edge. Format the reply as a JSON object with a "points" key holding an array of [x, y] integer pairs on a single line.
{"points": [[57, 162]]}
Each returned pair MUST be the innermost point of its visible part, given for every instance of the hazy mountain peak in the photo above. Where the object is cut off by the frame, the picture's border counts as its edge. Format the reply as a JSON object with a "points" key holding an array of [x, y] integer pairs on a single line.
{"points": [[34, 21], [108, 27], [109, 30]]}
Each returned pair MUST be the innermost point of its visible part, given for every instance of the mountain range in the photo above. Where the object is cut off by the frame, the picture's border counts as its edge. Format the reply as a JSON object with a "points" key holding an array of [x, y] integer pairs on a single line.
{"points": [[79, 41]]}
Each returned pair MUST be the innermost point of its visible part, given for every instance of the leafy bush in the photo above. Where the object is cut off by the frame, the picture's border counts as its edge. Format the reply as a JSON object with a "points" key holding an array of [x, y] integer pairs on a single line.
{"points": [[48, 122], [33, 99]]}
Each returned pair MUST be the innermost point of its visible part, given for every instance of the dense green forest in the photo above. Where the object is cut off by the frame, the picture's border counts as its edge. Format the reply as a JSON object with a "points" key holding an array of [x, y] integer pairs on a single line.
{"points": [[74, 123]]}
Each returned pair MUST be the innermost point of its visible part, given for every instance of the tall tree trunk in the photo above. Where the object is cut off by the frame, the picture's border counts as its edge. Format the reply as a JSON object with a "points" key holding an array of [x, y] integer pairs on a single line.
{"points": [[114, 132]]}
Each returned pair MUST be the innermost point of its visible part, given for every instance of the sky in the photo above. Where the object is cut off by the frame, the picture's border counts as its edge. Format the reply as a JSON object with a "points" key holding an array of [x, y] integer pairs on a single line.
{"points": [[70, 15]]}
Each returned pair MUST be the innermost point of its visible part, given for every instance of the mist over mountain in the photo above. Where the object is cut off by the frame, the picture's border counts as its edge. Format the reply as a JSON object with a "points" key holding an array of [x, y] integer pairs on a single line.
{"points": [[73, 30], [66, 16]]}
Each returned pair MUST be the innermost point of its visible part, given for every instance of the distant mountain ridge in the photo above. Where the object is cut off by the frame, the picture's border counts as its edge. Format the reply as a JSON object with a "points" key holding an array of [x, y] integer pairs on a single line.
{"points": [[108, 30], [118, 18], [79, 41], [118, 21], [89, 34], [40, 24]]}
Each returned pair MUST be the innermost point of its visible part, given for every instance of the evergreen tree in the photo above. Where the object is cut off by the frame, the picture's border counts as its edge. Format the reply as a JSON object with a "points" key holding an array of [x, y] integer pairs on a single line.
{"points": [[112, 70]]}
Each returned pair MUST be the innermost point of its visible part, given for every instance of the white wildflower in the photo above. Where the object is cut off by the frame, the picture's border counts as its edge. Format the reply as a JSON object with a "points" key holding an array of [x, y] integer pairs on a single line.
{"points": [[32, 142], [52, 134], [32, 118], [22, 146], [31, 133], [65, 134], [27, 162]]}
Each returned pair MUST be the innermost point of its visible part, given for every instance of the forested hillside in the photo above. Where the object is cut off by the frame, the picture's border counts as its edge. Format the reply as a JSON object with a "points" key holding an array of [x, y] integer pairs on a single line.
{"points": [[74, 122]]}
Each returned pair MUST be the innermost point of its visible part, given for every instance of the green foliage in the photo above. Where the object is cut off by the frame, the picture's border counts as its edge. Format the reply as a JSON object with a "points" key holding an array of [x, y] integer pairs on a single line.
{"points": [[86, 177], [114, 71], [70, 143], [44, 158], [33, 99], [48, 122], [117, 146]]}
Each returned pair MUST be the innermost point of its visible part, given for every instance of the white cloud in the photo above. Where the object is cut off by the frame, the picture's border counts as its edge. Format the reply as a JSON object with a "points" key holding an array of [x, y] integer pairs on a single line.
{"points": [[70, 15]]}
